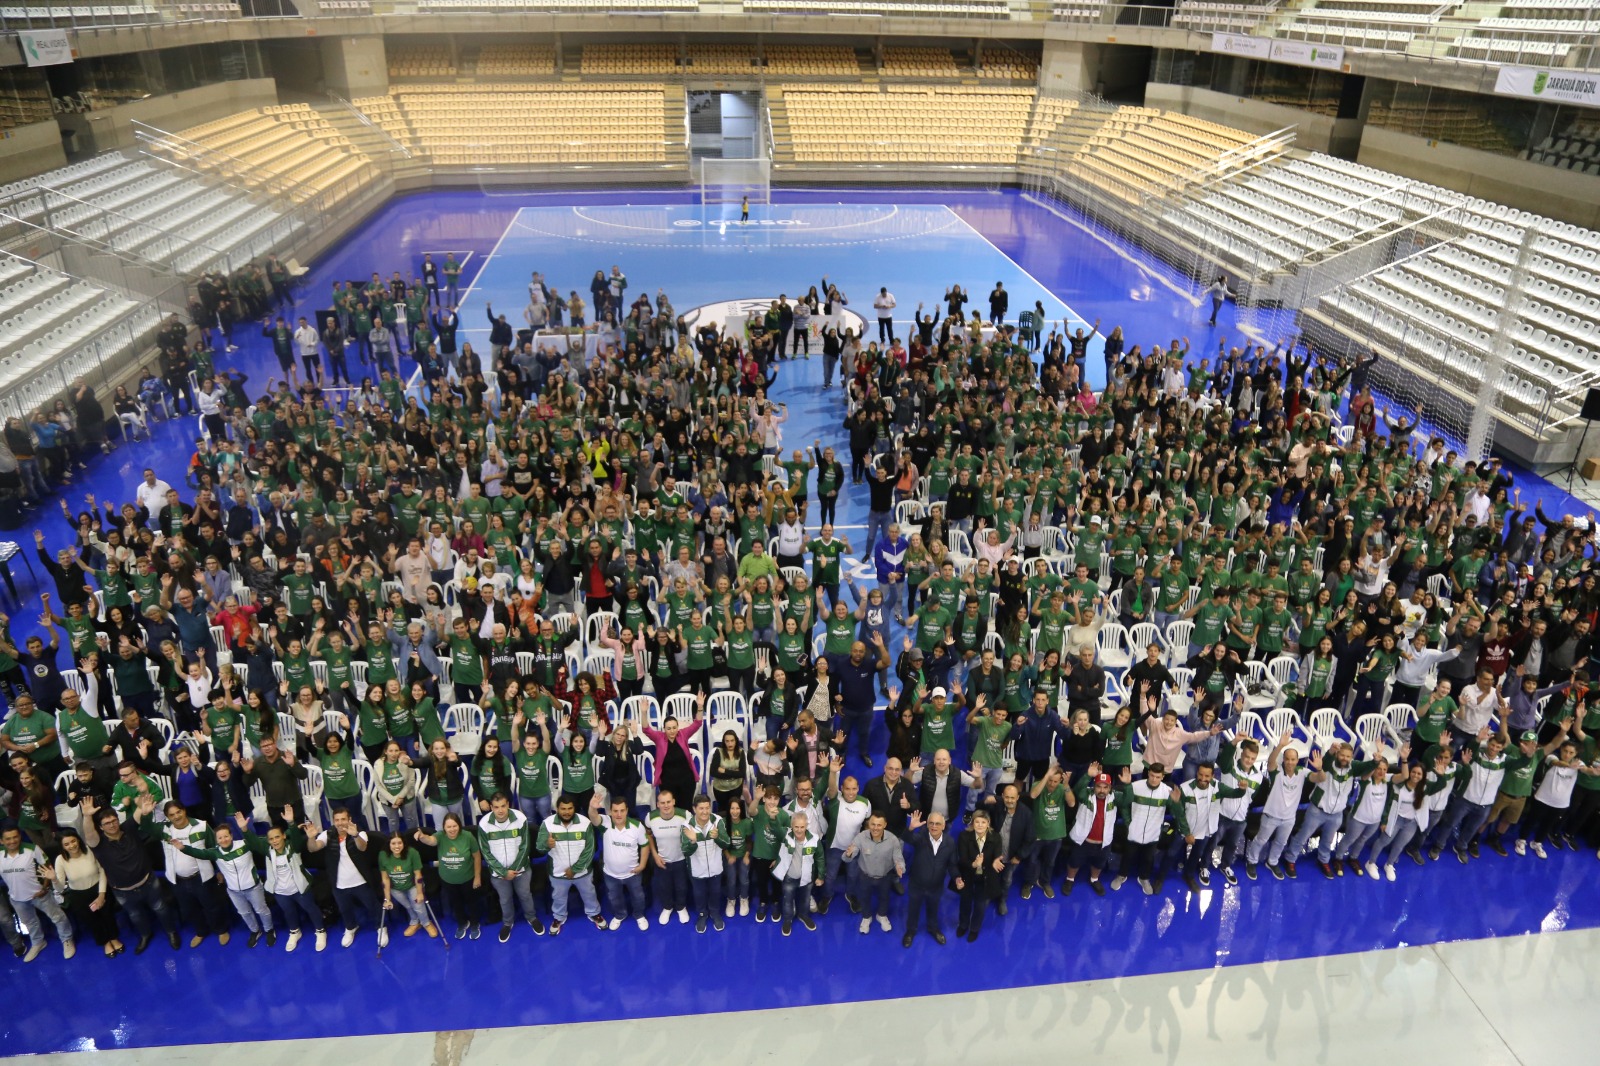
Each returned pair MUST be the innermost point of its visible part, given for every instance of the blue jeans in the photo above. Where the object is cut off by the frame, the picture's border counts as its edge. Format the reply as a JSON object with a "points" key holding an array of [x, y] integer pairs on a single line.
{"points": [[1199, 857], [877, 525], [836, 865], [626, 896], [796, 899], [143, 903], [1356, 836], [1316, 819], [991, 781], [1042, 864], [1271, 836], [561, 891], [874, 894], [707, 898], [1387, 850], [1460, 815], [672, 886], [736, 879], [356, 904], [403, 818], [32, 482], [535, 808], [297, 906], [858, 724]]}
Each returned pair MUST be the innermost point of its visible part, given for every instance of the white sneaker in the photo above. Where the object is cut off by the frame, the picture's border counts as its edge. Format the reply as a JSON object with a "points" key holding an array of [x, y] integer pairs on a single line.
{"points": [[1117, 882], [866, 924], [616, 923], [744, 908], [1538, 849], [812, 905], [348, 938], [728, 910], [68, 950], [1521, 847], [683, 917], [294, 941], [322, 939], [883, 923], [1372, 870], [661, 919], [642, 922], [1388, 871]]}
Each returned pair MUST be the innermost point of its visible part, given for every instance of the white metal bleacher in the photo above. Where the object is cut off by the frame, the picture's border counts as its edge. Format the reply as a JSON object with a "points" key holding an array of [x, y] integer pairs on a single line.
{"points": [[52, 322]]}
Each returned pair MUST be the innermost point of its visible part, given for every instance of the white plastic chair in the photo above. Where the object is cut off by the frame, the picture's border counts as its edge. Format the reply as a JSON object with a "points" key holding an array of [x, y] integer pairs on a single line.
{"points": [[463, 724], [641, 710], [1112, 645], [1328, 727], [1141, 636], [1378, 736], [1177, 642]]}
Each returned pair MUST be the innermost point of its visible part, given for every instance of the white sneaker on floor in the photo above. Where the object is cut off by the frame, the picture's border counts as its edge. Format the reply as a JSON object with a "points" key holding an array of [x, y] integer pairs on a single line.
{"points": [[68, 950], [883, 923], [1372, 870], [664, 916], [616, 923], [642, 922], [1538, 849], [1388, 872], [294, 941], [1521, 847], [1117, 882], [348, 938], [744, 908], [728, 910], [322, 939], [812, 905], [866, 924], [683, 917]]}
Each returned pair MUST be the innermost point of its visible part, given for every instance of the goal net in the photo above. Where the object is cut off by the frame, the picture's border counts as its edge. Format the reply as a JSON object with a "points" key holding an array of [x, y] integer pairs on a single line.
{"points": [[729, 181]]}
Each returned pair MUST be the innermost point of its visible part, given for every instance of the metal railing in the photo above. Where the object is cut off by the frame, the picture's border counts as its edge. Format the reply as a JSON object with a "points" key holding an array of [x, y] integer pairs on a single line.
{"points": [[395, 147]]}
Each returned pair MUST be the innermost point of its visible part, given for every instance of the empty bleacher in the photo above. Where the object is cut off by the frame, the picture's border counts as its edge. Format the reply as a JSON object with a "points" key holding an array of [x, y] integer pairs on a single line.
{"points": [[988, 9], [628, 60], [288, 149], [1575, 148], [421, 61], [723, 59], [586, 7], [509, 124], [54, 327], [516, 61], [812, 61], [1222, 18], [144, 209], [1143, 150], [907, 124], [918, 63], [1011, 66]]}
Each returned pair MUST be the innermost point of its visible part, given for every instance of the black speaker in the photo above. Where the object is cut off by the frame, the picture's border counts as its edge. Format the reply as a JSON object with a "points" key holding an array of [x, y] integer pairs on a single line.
{"points": [[1591, 406]]}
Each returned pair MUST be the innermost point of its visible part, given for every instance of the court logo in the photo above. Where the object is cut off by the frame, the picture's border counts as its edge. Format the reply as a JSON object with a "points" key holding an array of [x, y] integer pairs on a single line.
{"points": [[737, 315]]}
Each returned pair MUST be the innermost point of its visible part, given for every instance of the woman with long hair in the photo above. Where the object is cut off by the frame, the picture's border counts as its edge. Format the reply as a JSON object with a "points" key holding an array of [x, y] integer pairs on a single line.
{"points": [[460, 866], [82, 882]]}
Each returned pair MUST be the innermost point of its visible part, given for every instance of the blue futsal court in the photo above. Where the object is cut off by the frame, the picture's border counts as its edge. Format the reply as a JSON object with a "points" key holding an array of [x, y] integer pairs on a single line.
{"points": [[916, 244]]}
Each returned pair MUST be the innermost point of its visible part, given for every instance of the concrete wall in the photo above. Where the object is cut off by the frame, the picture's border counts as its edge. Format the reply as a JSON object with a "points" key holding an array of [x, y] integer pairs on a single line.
{"points": [[100, 131], [1313, 132], [29, 150], [355, 66], [1069, 67], [1558, 194]]}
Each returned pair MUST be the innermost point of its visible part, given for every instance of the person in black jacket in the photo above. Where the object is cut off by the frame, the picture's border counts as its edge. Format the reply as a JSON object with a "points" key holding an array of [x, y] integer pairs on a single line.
{"points": [[863, 431], [500, 335], [978, 875], [999, 301], [890, 796], [1013, 824], [933, 862], [349, 843]]}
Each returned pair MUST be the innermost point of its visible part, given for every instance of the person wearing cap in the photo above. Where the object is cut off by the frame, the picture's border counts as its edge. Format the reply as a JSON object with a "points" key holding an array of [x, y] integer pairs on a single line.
{"points": [[1096, 808], [1150, 802]]}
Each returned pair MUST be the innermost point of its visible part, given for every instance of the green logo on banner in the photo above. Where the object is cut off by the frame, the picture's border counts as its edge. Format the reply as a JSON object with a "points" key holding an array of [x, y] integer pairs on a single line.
{"points": [[1540, 80]]}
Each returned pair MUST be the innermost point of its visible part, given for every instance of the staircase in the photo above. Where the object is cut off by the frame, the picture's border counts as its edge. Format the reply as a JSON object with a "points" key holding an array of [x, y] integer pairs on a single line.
{"points": [[372, 141], [673, 125], [782, 138]]}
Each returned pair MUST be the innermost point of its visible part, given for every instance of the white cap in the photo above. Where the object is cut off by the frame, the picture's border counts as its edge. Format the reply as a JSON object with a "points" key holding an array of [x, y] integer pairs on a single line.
{"points": [[940, 692]]}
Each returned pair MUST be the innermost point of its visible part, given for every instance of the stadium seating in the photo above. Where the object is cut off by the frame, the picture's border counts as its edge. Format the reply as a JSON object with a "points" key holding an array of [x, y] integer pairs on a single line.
{"points": [[144, 209], [734, 59], [420, 61], [288, 149], [919, 63], [529, 123], [1222, 18], [54, 328], [1012, 66], [516, 60], [907, 124], [991, 9], [1141, 150], [627, 60], [811, 61]]}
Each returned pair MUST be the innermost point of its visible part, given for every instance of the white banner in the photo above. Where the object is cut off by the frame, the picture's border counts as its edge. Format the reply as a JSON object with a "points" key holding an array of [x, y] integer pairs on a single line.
{"points": [[1306, 54], [1237, 44], [45, 48], [1562, 86]]}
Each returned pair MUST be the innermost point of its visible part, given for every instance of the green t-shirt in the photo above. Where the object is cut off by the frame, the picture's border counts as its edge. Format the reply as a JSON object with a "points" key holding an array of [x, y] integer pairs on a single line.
{"points": [[455, 857], [1050, 813], [989, 743], [402, 870]]}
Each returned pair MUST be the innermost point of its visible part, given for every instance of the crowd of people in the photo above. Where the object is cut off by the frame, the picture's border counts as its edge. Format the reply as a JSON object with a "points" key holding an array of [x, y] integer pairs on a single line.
{"points": [[390, 654]]}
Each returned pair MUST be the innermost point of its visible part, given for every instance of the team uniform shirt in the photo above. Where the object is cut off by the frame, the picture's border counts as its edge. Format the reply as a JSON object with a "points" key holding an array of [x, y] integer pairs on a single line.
{"points": [[668, 834], [1484, 775], [505, 844], [1147, 810], [1332, 794], [621, 848], [705, 852], [1556, 788], [849, 816], [1284, 791], [1202, 809]]}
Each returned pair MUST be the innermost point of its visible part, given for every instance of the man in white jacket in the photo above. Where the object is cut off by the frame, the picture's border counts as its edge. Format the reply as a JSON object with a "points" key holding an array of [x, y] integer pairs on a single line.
{"points": [[797, 872]]}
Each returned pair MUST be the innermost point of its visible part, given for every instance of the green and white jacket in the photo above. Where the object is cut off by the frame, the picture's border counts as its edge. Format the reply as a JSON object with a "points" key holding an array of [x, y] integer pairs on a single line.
{"points": [[569, 844], [705, 853], [798, 856], [504, 844]]}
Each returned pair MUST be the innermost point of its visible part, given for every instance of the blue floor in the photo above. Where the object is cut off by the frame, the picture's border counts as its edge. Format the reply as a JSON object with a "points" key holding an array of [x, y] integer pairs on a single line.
{"points": [[217, 994]]}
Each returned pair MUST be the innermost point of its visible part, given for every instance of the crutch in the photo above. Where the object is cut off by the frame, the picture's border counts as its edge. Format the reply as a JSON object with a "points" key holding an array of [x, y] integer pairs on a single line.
{"points": [[383, 930], [445, 940]]}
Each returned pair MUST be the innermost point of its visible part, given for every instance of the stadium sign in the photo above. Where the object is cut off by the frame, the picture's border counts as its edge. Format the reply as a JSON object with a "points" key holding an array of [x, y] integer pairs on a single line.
{"points": [[1560, 86], [1299, 53], [45, 48], [1238, 44]]}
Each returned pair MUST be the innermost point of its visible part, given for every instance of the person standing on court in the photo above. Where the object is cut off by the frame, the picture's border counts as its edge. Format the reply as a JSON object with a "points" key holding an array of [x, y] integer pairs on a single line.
{"points": [[884, 302], [744, 209], [1219, 292], [999, 301], [430, 278], [933, 862], [853, 687]]}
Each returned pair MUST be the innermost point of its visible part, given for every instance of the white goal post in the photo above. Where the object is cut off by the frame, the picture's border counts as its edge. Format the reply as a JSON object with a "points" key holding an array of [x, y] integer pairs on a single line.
{"points": [[730, 181]]}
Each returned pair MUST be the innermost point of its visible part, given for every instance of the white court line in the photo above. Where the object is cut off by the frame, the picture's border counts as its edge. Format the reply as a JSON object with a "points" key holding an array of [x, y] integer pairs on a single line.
{"points": [[1183, 294], [894, 209], [1070, 311], [416, 375]]}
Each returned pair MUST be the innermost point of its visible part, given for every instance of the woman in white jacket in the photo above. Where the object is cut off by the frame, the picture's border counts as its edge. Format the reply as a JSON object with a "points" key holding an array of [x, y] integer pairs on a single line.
{"points": [[797, 872]]}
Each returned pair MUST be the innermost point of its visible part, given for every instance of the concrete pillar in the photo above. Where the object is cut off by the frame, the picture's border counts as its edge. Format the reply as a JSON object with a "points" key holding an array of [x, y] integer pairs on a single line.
{"points": [[355, 66], [1068, 66]]}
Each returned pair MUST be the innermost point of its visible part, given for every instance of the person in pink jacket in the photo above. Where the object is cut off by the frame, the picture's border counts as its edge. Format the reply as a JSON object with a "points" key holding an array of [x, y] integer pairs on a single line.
{"points": [[674, 767], [1164, 737], [628, 669]]}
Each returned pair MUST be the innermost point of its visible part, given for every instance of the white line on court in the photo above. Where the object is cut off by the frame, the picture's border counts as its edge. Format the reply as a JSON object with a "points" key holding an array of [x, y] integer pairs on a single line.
{"points": [[894, 209], [1072, 313], [1143, 268]]}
